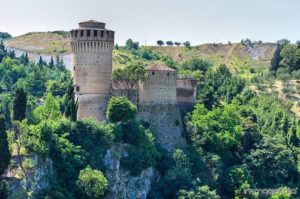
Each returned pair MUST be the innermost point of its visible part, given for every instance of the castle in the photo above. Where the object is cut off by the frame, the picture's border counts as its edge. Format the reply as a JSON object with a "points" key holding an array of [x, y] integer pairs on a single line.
{"points": [[92, 45]]}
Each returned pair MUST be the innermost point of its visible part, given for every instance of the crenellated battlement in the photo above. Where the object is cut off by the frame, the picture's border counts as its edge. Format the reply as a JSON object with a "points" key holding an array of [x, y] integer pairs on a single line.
{"points": [[92, 46]]}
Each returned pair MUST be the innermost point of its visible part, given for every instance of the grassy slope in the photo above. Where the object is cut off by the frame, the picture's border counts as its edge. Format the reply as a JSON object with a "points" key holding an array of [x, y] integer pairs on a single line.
{"points": [[235, 56], [41, 42]]}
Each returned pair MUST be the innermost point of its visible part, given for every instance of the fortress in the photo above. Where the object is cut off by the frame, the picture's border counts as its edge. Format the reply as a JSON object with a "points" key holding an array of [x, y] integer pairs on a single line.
{"points": [[92, 45]]}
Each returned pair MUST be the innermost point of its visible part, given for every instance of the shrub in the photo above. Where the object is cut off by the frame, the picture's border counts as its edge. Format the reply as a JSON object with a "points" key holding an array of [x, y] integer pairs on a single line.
{"points": [[93, 183], [120, 109], [4, 189]]}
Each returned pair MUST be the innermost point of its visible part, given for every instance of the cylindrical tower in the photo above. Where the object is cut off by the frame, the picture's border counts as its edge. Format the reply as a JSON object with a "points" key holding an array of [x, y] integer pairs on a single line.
{"points": [[92, 47]]}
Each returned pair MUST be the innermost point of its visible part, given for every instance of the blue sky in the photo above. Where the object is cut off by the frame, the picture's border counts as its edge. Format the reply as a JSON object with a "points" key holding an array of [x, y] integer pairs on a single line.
{"points": [[199, 21]]}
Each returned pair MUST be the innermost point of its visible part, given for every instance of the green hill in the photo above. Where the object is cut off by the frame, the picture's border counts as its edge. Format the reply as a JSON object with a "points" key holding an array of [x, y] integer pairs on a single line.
{"points": [[244, 59]]}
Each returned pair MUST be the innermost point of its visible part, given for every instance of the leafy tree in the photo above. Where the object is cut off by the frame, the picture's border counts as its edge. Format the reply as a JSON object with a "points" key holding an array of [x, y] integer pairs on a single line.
{"points": [[4, 189], [160, 43], [196, 64], [291, 57], [177, 43], [48, 111], [218, 131], [296, 75], [128, 78], [169, 43], [202, 192], [93, 183], [70, 104], [5, 35], [4, 152], [120, 109], [187, 44], [20, 104], [132, 45], [275, 61]]}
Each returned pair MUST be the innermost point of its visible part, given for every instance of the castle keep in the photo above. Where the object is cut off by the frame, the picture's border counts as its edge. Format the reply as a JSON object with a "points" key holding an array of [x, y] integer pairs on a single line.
{"points": [[92, 45]]}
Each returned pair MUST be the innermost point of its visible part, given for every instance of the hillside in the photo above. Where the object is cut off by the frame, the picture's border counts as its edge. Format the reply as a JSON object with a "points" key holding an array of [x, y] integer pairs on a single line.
{"points": [[236, 56]]}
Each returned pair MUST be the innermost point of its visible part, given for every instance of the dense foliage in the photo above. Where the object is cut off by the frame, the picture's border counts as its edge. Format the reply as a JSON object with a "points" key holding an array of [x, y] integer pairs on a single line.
{"points": [[4, 150], [236, 138]]}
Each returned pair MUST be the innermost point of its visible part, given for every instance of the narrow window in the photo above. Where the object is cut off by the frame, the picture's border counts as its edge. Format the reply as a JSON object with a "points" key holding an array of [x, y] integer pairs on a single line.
{"points": [[107, 34], [168, 74], [152, 73], [81, 33], [74, 68], [75, 33], [95, 33], [102, 33], [88, 33], [77, 88]]}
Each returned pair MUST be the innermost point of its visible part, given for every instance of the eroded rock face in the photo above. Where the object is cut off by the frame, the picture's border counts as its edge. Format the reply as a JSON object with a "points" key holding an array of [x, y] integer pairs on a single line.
{"points": [[121, 184], [37, 177]]}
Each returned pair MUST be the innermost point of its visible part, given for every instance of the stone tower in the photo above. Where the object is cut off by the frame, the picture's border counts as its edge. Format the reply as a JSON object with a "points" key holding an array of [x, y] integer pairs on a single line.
{"points": [[160, 87], [92, 47]]}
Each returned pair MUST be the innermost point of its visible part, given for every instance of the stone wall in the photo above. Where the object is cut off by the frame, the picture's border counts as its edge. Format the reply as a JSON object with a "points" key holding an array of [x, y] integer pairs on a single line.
{"points": [[186, 93], [92, 106], [159, 88], [166, 123]]}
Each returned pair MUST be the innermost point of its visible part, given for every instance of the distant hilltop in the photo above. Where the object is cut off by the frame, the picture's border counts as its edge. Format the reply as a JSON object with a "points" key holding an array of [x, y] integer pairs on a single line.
{"points": [[47, 44]]}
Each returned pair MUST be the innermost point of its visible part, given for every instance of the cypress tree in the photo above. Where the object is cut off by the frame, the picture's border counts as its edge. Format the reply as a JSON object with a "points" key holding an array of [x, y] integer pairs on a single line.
{"points": [[51, 63], [26, 58], [275, 61], [20, 103], [292, 135], [57, 62], [41, 61], [70, 104], [4, 150]]}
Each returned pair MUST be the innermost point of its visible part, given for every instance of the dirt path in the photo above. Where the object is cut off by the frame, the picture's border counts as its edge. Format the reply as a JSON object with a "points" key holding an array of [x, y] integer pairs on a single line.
{"points": [[229, 53]]}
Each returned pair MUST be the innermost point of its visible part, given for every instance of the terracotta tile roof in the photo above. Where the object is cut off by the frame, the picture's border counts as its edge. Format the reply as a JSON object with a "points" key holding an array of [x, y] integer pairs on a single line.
{"points": [[158, 66]]}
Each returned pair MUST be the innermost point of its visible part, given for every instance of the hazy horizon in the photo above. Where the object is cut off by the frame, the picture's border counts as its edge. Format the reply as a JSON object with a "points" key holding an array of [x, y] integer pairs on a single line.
{"points": [[148, 21]]}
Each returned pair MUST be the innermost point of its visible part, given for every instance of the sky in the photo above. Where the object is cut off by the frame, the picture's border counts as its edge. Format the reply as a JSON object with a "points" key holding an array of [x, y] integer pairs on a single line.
{"points": [[146, 21]]}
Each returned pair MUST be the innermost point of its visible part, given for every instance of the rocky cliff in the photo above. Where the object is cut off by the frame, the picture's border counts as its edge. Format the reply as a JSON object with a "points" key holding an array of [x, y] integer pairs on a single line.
{"points": [[121, 184]]}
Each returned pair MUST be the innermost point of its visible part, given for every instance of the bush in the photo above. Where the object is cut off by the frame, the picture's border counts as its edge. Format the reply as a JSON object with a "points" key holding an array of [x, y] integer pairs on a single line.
{"points": [[4, 189], [93, 183], [120, 109]]}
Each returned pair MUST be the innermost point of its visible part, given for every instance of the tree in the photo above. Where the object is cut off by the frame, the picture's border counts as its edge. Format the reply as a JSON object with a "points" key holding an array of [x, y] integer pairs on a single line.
{"points": [[160, 43], [20, 104], [4, 189], [177, 43], [57, 62], [293, 139], [48, 111], [51, 63], [296, 75], [70, 104], [41, 62], [187, 44], [132, 45], [120, 109], [202, 192], [4, 148], [169, 43], [128, 78], [291, 57], [93, 183], [275, 61]]}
